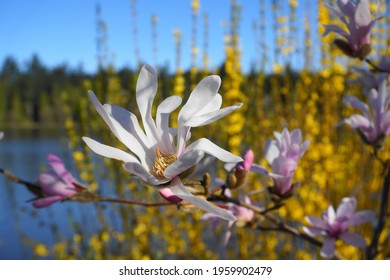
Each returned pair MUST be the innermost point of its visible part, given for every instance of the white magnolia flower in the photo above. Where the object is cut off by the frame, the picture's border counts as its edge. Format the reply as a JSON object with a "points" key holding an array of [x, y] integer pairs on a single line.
{"points": [[157, 157], [1, 135]]}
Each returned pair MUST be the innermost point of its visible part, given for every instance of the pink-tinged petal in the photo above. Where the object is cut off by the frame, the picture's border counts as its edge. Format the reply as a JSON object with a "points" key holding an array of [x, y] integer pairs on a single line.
{"points": [[58, 167], [335, 28], [205, 119], [296, 136], [46, 201], [162, 121], [108, 151], [146, 90], [51, 185], [312, 231], [183, 163], [358, 121], [168, 195], [271, 151], [327, 250], [304, 148], [346, 207], [385, 126], [360, 217], [178, 189], [353, 239], [357, 104], [210, 148], [362, 13], [259, 169], [143, 174], [316, 222], [248, 161]]}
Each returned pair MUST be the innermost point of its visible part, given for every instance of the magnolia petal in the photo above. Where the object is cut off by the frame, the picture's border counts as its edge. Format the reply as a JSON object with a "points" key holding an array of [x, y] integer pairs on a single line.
{"points": [[202, 94], [209, 147], [312, 231], [108, 151], [335, 28], [316, 222], [138, 170], [331, 214], [128, 121], [146, 90], [358, 121], [327, 250], [362, 13], [179, 189], [51, 185], [162, 121], [213, 105], [183, 163], [360, 217], [304, 148], [259, 169], [353, 239], [271, 151], [122, 134], [200, 120], [357, 104], [46, 201], [58, 167], [346, 207]]}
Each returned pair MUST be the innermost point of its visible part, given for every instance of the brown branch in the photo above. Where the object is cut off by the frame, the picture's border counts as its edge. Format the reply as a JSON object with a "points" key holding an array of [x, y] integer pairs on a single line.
{"points": [[372, 249], [280, 226], [134, 202], [375, 67]]}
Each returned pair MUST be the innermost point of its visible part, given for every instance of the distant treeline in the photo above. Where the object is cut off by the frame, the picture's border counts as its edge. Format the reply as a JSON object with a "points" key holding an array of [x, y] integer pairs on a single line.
{"points": [[31, 95]]}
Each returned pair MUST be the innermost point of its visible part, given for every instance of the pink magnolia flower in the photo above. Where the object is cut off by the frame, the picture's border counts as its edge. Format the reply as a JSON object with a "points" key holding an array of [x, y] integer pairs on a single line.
{"points": [[357, 17], [283, 155], [373, 128], [243, 215], [335, 224], [158, 153], [57, 184]]}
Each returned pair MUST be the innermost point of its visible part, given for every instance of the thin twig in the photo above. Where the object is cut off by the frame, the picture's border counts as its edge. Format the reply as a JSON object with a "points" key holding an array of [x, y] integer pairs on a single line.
{"points": [[134, 202]]}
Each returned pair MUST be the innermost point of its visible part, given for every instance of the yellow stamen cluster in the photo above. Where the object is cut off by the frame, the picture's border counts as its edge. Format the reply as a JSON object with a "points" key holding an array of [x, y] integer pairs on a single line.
{"points": [[161, 162]]}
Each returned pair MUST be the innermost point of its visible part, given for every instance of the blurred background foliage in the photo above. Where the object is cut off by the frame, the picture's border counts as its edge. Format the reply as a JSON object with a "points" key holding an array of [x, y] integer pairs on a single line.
{"points": [[336, 165]]}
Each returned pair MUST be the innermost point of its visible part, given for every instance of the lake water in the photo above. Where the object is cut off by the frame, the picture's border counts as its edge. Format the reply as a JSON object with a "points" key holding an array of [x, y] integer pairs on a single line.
{"points": [[22, 225]]}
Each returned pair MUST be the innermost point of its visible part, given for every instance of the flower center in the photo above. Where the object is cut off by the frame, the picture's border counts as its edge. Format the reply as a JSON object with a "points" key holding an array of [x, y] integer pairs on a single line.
{"points": [[161, 162]]}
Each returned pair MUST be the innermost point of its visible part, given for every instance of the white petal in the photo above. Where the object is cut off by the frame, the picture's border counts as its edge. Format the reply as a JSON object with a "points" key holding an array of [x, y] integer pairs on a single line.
{"points": [[199, 120], [108, 151], [143, 174], [209, 147], [146, 90], [358, 104], [162, 121], [213, 105], [178, 189], [202, 94], [122, 134], [128, 121], [184, 162]]}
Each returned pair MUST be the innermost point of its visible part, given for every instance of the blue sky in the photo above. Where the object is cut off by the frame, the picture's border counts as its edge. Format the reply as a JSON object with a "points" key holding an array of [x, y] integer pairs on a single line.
{"points": [[65, 31]]}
